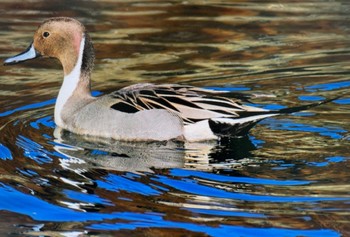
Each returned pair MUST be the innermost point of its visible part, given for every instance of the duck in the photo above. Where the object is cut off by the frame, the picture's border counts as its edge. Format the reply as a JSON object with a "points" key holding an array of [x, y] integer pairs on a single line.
{"points": [[139, 112]]}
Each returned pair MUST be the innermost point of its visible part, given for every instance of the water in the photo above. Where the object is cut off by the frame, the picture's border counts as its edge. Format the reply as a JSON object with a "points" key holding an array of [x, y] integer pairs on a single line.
{"points": [[289, 178]]}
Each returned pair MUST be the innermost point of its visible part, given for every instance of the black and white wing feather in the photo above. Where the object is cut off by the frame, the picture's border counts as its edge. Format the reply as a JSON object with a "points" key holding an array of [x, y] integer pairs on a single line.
{"points": [[226, 116], [192, 104]]}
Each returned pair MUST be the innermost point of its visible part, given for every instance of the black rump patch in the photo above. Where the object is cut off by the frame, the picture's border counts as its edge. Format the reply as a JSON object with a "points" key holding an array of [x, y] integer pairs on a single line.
{"points": [[231, 130]]}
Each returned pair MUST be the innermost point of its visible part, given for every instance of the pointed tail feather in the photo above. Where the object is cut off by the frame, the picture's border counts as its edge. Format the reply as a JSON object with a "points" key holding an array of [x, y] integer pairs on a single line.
{"points": [[238, 127], [305, 107]]}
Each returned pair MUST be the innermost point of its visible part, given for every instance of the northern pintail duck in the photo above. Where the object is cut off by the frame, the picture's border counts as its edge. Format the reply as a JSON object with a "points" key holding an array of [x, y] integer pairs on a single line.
{"points": [[139, 112]]}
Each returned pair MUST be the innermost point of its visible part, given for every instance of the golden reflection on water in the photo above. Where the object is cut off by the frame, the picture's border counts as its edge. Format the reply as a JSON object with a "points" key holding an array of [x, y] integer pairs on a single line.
{"points": [[274, 48]]}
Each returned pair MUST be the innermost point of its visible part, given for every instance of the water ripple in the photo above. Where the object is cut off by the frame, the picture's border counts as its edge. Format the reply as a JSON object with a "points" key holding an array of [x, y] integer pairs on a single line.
{"points": [[289, 177]]}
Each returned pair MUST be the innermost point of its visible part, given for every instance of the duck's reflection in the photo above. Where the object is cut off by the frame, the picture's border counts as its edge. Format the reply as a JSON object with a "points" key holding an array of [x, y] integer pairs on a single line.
{"points": [[83, 153]]}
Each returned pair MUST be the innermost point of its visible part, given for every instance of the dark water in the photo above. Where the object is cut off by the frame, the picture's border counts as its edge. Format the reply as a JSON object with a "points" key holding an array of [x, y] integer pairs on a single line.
{"points": [[289, 178]]}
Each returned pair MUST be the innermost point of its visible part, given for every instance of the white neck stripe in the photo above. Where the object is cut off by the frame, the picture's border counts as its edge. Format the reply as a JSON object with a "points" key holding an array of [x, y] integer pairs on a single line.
{"points": [[70, 83]]}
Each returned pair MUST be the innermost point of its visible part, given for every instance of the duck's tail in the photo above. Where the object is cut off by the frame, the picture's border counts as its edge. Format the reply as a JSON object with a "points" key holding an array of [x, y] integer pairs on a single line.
{"points": [[237, 127], [308, 106]]}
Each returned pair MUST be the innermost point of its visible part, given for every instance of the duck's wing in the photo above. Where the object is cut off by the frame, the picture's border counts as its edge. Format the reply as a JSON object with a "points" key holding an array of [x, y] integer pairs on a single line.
{"points": [[225, 116], [192, 104]]}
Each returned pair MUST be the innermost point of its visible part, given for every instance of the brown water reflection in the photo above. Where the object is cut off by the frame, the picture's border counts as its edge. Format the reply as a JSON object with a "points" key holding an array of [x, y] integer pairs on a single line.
{"points": [[287, 48]]}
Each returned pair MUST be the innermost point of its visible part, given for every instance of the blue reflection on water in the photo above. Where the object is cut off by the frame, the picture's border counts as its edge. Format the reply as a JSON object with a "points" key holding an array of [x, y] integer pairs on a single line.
{"points": [[45, 121], [289, 125], [311, 98], [257, 142], [84, 197], [328, 161], [328, 86], [28, 107], [15, 201], [33, 150], [344, 101], [5, 153], [37, 105], [191, 186], [27, 172], [246, 180], [44, 211], [155, 221], [267, 106], [271, 106], [114, 183]]}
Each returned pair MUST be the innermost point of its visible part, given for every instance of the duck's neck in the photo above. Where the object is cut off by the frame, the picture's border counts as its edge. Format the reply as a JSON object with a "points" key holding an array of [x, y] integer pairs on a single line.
{"points": [[77, 82]]}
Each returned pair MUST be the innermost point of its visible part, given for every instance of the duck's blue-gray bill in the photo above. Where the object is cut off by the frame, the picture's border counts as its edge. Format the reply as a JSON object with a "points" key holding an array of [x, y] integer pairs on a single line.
{"points": [[29, 53]]}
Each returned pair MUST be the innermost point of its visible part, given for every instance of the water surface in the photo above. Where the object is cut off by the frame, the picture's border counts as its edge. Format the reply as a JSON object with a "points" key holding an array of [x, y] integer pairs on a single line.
{"points": [[288, 178]]}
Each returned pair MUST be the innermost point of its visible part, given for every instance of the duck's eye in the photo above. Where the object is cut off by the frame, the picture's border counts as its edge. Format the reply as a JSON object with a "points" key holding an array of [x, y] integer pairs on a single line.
{"points": [[46, 34]]}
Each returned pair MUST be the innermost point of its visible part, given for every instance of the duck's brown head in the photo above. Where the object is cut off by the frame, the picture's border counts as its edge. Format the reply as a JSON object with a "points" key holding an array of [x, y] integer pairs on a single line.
{"points": [[61, 38]]}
